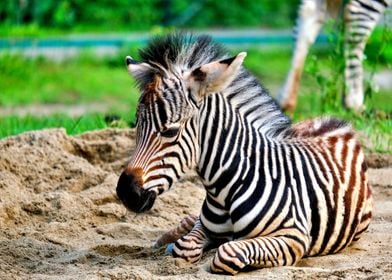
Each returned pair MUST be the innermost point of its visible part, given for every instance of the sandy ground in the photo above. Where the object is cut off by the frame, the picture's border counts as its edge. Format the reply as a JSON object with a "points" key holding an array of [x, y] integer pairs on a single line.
{"points": [[60, 218]]}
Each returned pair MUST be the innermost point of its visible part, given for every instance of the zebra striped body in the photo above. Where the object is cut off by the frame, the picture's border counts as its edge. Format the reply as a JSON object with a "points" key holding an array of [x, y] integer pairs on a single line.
{"points": [[360, 18], [276, 192]]}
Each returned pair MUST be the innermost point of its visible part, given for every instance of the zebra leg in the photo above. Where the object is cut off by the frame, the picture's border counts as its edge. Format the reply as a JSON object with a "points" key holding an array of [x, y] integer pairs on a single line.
{"points": [[265, 251], [184, 227], [311, 17], [190, 247], [360, 19]]}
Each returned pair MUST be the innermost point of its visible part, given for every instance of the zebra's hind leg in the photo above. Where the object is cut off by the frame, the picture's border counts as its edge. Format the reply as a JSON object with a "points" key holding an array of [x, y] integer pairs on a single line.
{"points": [[190, 247], [265, 251], [361, 17]]}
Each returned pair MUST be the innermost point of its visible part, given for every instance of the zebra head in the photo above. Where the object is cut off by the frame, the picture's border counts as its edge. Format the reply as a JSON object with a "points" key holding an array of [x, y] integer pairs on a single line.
{"points": [[167, 124]]}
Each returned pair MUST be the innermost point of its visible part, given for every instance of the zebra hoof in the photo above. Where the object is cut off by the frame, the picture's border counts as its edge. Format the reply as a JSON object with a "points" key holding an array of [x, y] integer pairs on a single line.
{"points": [[169, 249]]}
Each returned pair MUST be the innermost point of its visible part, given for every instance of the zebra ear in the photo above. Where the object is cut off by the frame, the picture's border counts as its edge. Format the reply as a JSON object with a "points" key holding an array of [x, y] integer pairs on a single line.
{"points": [[138, 70], [216, 76]]}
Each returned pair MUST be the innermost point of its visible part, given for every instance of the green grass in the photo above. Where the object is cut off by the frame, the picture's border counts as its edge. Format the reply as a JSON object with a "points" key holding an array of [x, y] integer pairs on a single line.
{"points": [[12, 125], [80, 80], [15, 124], [87, 79]]}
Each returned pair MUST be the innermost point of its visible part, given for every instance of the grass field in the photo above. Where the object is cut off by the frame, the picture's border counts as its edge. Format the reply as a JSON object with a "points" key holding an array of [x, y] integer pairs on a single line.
{"points": [[87, 79]]}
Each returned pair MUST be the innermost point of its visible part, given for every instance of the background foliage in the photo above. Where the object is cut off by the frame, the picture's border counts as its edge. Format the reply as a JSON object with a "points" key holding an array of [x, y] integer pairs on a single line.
{"points": [[145, 14]]}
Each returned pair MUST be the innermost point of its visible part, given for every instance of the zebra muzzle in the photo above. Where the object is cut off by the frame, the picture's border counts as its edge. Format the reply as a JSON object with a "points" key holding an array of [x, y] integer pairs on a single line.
{"points": [[132, 195]]}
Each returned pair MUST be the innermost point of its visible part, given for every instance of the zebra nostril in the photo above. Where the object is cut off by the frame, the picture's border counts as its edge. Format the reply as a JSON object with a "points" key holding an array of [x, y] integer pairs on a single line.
{"points": [[132, 195]]}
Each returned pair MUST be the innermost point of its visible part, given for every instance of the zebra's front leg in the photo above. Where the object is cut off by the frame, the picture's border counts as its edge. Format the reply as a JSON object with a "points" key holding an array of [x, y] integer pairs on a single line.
{"points": [[311, 17], [265, 251], [190, 247], [184, 227]]}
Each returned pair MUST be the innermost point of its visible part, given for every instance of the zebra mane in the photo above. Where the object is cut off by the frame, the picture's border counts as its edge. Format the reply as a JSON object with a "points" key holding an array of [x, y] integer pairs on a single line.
{"points": [[183, 51]]}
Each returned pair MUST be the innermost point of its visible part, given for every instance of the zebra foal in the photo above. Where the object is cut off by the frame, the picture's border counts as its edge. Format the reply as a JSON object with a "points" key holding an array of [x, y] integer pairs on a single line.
{"points": [[360, 17], [275, 192]]}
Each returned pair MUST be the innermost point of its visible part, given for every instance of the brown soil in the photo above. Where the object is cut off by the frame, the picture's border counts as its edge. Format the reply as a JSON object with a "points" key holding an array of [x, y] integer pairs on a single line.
{"points": [[60, 218]]}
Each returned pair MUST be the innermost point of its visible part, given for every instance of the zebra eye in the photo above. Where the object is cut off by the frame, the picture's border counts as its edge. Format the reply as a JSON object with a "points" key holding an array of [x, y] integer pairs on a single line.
{"points": [[170, 132]]}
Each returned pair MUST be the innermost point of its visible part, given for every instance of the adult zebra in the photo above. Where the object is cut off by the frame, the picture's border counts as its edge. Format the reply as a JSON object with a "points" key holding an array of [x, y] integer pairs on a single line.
{"points": [[360, 18], [275, 192]]}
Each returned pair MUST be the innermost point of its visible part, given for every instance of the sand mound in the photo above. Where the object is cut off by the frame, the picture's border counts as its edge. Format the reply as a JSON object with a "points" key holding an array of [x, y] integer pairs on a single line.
{"points": [[60, 217]]}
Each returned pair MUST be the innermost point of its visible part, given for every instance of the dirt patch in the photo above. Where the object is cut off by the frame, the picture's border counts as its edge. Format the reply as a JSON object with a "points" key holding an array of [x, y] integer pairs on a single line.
{"points": [[60, 217], [379, 160]]}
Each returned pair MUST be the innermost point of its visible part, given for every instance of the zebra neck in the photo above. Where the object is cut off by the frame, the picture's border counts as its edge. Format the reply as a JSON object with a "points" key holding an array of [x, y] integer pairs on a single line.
{"points": [[233, 128]]}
